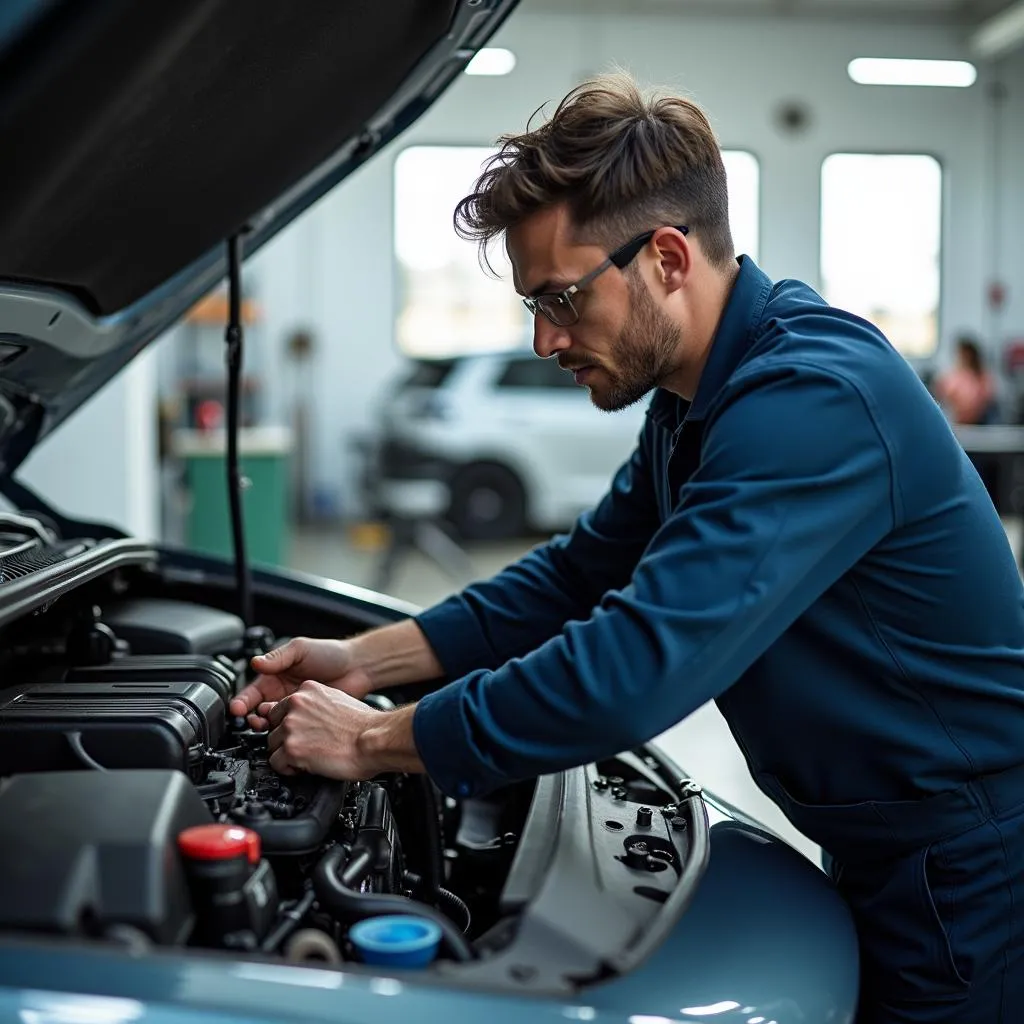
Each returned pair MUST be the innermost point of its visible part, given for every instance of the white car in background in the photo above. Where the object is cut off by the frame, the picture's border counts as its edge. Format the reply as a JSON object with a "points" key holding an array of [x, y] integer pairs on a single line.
{"points": [[496, 444]]}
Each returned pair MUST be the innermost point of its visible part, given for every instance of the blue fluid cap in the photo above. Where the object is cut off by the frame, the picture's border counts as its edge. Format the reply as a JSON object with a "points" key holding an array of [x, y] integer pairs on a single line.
{"points": [[398, 940]]}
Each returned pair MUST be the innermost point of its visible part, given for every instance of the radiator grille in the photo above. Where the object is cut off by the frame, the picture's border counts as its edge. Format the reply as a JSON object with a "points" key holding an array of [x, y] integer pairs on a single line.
{"points": [[27, 557]]}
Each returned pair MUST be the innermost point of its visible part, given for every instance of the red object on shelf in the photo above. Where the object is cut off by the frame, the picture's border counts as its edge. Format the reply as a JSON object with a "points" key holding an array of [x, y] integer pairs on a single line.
{"points": [[209, 414]]}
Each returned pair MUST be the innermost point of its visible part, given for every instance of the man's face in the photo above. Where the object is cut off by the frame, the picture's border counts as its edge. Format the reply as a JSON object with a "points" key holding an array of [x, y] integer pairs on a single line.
{"points": [[622, 346]]}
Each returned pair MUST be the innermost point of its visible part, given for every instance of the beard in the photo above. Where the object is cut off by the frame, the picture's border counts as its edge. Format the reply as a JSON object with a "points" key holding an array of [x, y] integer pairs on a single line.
{"points": [[641, 354]]}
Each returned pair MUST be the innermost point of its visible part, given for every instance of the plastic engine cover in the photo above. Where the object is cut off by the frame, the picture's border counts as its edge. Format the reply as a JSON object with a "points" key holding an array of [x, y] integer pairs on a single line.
{"points": [[81, 851]]}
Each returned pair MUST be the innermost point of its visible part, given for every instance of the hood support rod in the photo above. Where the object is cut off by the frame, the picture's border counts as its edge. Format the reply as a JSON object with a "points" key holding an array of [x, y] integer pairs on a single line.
{"points": [[236, 482]]}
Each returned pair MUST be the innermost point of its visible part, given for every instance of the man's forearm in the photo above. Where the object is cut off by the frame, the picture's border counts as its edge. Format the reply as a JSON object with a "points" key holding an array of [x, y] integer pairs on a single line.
{"points": [[396, 654], [388, 745]]}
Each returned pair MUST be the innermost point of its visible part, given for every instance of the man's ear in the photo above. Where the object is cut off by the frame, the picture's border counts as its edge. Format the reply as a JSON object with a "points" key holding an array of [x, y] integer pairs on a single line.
{"points": [[674, 256]]}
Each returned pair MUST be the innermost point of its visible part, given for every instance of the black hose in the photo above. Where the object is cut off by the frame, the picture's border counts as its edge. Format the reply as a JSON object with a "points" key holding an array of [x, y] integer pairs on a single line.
{"points": [[336, 896], [458, 905], [445, 896], [355, 869], [233, 337], [434, 877], [290, 920]]}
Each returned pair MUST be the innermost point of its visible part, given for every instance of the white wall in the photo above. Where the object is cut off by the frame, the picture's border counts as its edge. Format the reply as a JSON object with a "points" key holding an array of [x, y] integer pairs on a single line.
{"points": [[333, 269], [101, 463], [1009, 323]]}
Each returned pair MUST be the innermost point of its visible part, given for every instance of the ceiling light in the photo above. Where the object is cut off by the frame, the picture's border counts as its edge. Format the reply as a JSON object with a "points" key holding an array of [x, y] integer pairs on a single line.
{"points": [[1002, 33], [492, 60], [900, 71]]}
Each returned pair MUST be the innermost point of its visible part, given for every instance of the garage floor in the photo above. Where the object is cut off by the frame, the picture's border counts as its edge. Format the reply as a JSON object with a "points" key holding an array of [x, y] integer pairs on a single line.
{"points": [[702, 744]]}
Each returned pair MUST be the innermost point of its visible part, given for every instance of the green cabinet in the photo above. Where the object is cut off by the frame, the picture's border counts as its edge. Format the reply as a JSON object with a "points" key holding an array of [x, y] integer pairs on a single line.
{"points": [[263, 455]]}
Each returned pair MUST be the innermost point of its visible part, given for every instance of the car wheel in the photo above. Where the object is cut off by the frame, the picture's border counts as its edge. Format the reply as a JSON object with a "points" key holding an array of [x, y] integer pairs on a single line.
{"points": [[488, 502]]}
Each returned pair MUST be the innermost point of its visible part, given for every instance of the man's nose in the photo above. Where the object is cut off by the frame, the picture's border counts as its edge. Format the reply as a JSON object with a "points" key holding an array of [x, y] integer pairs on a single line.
{"points": [[548, 338]]}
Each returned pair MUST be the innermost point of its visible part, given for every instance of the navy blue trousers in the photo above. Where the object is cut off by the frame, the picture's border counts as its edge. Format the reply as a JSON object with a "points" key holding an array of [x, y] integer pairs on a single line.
{"points": [[942, 928]]}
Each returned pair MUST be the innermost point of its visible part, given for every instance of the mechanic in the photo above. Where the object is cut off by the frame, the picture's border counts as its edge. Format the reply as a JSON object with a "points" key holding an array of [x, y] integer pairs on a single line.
{"points": [[797, 536]]}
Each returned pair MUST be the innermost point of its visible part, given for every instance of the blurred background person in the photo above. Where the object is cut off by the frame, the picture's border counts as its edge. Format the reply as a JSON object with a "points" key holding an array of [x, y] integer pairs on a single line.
{"points": [[967, 391]]}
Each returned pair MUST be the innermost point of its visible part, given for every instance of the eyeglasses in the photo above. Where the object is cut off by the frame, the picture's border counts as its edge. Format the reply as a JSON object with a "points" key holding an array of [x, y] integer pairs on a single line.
{"points": [[558, 306]]}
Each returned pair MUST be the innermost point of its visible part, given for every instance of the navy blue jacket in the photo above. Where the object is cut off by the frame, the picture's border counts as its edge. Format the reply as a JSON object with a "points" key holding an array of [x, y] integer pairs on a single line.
{"points": [[806, 543]]}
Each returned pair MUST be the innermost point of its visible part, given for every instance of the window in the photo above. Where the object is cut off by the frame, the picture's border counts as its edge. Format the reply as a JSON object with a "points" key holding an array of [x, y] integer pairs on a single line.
{"points": [[446, 304], [533, 372], [881, 225], [429, 373], [744, 176]]}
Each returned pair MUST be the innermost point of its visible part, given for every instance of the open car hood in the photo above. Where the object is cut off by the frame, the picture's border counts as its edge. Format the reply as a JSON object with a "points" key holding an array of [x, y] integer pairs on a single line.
{"points": [[140, 136]]}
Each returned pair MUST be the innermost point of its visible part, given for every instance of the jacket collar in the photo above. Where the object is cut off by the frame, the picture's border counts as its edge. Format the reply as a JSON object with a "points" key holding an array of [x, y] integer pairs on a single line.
{"points": [[735, 333]]}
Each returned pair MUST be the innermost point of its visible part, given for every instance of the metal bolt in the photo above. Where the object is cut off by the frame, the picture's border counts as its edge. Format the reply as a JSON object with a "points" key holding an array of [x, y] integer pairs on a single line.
{"points": [[637, 854], [619, 792], [600, 783]]}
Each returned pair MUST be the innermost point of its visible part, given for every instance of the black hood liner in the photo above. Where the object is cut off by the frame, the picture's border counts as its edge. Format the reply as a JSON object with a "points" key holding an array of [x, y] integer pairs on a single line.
{"points": [[139, 134]]}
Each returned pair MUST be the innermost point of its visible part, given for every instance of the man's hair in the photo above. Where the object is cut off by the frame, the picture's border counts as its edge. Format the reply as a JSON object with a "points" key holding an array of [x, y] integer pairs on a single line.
{"points": [[623, 163]]}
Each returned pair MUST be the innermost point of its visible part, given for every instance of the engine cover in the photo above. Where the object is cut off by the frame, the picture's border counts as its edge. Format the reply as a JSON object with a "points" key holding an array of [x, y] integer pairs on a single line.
{"points": [[219, 673], [156, 626], [123, 724], [82, 850]]}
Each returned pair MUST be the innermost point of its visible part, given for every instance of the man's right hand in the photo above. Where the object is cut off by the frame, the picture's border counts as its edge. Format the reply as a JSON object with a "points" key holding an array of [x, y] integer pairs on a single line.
{"points": [[284, 669]]}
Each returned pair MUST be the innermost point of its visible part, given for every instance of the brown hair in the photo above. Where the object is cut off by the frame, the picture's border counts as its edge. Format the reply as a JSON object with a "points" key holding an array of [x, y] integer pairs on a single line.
{"points": [[970, 352], [622, 161]]}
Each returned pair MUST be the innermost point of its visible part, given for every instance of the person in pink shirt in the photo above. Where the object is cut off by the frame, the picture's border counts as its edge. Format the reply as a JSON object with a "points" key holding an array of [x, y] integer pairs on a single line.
{"points": [[967, 391]]}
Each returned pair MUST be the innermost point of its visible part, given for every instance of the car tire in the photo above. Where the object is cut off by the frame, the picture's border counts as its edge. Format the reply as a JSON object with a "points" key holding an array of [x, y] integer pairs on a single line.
{"points": [[488, 502]]}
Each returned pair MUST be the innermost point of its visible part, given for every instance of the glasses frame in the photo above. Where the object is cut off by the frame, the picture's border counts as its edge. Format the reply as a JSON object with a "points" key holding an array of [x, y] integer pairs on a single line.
{"points": [[562, 300]]}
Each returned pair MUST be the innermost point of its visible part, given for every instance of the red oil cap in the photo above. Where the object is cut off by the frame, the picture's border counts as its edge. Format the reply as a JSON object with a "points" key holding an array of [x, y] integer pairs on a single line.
{"points": [[219, 842]]}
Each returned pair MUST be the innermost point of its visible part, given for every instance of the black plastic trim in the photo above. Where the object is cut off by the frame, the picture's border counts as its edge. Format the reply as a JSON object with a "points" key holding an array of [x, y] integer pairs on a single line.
{"points": [[532, 860], [27, 594]]}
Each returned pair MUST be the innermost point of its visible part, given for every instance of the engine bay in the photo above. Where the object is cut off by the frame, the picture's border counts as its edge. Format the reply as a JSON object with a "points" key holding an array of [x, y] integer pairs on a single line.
{"points": [[135, 810]]}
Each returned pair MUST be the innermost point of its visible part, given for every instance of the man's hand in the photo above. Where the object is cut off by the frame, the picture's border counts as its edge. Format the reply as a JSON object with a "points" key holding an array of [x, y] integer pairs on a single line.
{"points": [[321, 730], [284, 669]]}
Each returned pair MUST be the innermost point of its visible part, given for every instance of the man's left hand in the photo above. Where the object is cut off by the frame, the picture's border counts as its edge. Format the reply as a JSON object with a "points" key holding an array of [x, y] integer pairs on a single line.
{"points": [[324, 731]]}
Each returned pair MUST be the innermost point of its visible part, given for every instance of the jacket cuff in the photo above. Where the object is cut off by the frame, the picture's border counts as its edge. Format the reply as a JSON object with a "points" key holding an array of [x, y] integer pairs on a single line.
{"points": [[454, 633], [444, 744]]}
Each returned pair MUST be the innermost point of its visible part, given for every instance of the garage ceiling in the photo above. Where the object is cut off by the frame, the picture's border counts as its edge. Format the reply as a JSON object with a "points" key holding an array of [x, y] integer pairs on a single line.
{"points": [[959, 10], [992, 28]]}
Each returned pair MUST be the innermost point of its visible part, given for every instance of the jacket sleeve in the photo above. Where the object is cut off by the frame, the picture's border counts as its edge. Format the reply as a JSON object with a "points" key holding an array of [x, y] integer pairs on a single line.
{"points": [[531, 600], [794, 486]]}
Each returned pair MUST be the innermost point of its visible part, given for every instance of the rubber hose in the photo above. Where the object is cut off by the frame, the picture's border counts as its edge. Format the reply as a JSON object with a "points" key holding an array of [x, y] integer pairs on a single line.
{"points": [[455, 903], [289, 921], [458, 905], [430, 809], [336, 896], [432, 833]]}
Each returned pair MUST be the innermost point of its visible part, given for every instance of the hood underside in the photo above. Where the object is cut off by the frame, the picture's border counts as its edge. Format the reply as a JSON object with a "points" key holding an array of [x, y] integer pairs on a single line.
{"points": [[140, 136]]}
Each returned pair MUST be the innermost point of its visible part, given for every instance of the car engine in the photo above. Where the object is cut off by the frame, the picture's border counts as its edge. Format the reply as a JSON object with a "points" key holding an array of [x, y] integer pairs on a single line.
{"points": [[135, 810], [138, 814]]}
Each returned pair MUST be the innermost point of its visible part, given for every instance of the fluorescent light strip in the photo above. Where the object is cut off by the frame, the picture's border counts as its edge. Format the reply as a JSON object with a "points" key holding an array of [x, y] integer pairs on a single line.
{"points": [[1002, 33], [492, 60], [958, 74]]}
